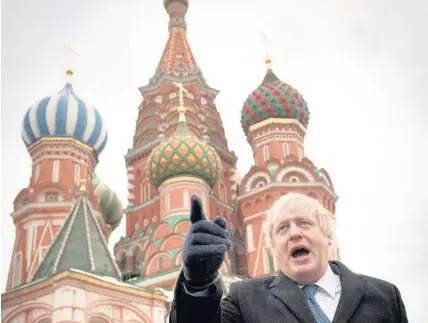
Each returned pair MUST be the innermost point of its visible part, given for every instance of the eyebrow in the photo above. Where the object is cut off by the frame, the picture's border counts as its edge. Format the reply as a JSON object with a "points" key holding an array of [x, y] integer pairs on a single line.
{"points": [[295, 218]]}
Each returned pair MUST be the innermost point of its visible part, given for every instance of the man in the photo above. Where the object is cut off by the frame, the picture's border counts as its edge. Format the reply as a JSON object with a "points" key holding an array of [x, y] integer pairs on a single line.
{"points": [[308, 289]]}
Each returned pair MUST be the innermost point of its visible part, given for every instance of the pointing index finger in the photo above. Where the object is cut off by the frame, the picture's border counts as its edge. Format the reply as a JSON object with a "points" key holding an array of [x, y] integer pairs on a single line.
{"points": [[196, 209]]}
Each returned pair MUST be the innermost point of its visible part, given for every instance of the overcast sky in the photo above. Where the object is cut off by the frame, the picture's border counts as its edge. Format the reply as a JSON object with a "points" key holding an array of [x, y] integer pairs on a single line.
{"points": [[361, 66]]}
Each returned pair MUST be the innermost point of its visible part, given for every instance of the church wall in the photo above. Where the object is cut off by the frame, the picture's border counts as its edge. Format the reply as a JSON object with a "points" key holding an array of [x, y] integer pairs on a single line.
{"points": [[80, 301]]}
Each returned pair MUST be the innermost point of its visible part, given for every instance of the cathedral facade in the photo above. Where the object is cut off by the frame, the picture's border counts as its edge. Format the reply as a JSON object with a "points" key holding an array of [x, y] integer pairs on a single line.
{"points": [[62, 269]]}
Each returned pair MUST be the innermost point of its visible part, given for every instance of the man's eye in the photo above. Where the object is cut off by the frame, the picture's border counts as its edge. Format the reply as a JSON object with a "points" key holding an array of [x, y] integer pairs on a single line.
{"points": [[282, 228]]}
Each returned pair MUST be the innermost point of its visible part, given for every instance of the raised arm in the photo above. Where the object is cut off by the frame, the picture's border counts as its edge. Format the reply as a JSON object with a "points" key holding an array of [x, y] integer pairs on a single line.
{"points": [[198, 292]]}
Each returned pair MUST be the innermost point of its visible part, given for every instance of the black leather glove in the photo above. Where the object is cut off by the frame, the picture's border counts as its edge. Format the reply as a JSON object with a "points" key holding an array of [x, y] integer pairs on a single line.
{"points": [[205, 246]]}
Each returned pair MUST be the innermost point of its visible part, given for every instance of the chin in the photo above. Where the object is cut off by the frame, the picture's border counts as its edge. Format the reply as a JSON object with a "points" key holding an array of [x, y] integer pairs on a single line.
{"points": [[305, 273]]}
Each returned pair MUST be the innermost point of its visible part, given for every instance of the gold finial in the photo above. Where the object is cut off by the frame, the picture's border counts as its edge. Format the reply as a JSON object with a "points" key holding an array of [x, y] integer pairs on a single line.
{"points": [[69, 70], [181, 109], [83, 181], [268, 63]]}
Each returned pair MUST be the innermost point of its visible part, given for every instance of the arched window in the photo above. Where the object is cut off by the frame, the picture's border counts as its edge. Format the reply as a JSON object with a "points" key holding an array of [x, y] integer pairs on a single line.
{"points": [[294, 179], [55, 171], [222, 190], [51, 196], [167, 203], [285, 146], [145, 193], [186, 198], [250, 238], [265, 152], [76, 174]]}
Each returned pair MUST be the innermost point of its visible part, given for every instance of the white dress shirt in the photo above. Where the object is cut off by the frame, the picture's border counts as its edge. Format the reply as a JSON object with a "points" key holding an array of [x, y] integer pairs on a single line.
{"points": [[328, 293]]}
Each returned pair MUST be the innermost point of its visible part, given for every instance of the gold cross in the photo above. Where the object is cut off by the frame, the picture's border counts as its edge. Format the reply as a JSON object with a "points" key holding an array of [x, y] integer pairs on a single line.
{"points": [[181, 89], [266, 49]]}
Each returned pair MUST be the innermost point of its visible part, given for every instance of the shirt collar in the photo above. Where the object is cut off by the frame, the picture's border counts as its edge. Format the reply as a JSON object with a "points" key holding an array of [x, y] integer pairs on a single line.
{"points": [[327, 282]]}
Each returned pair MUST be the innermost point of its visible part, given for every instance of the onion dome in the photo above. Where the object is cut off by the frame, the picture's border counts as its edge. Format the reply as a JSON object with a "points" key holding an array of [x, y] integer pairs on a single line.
{"points": [[185, 3], [273, 99], [64, 114], [183, 155], [111, 207]]}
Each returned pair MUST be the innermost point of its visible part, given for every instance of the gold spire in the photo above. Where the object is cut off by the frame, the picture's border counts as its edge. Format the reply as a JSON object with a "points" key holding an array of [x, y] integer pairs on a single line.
{"points": [[83, 181], [69, 70]]}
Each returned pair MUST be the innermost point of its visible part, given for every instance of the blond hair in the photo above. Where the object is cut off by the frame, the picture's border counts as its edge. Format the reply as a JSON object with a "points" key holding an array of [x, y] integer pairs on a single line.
{"points": [[296, 203]]}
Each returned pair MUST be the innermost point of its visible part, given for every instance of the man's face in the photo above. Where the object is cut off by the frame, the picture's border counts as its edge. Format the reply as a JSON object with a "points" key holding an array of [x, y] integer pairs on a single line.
{"points": [[301, 248]]}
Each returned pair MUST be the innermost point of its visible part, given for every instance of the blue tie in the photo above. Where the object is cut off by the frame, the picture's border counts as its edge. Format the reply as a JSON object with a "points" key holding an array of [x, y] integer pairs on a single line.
{"points": [[319, 315]]}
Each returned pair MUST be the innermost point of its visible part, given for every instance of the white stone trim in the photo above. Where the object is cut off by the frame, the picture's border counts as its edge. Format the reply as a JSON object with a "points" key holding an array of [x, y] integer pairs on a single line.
{"points": [[186, 199], [76, 160], [88, 237], [159, 279], [135, 207], [287, 185], [249, 237], [41, 204], [299, 170], [255, 216], [254, 177]]}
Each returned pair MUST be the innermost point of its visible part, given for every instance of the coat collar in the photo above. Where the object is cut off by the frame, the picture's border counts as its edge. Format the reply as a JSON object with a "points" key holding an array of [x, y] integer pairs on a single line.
{"points": [[291, 295], [352, 292]]}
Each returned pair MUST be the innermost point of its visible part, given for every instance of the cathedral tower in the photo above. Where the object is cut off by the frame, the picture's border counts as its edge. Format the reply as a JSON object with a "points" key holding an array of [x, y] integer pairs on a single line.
{"points": [[275, 119], [62, 132], [162, 179]]}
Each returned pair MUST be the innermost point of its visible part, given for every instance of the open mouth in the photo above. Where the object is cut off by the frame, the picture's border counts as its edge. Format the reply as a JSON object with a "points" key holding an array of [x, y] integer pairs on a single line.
{"points": [[301, 252]]}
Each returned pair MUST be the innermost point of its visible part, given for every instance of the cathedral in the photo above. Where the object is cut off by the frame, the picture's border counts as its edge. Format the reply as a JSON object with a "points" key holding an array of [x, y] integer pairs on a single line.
{"points": [[62, 269]]}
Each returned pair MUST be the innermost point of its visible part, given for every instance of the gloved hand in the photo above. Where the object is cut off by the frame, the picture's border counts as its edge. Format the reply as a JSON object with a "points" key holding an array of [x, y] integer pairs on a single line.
{"points": [[205, 246]]}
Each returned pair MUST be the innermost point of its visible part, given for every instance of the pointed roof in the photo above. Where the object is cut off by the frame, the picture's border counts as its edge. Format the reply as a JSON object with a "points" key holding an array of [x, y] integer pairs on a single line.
{"points": [[177, 49], [80, 244], [177, 62]]}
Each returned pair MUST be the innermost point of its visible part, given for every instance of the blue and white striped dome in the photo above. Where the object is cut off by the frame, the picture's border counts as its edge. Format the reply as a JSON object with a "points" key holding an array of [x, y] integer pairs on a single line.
{"points": [[65, 115]]}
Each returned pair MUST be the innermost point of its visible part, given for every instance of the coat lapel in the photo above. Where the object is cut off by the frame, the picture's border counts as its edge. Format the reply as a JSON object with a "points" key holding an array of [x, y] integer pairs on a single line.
{"points": [[352, 292], [291, 295]]}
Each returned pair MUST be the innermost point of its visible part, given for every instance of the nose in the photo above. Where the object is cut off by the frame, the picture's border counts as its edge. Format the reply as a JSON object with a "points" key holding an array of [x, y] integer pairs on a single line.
{"points": [[294, 232]]}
